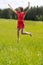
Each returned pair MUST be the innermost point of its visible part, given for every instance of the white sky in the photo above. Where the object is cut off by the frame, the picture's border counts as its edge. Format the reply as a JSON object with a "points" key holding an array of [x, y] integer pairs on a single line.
{"points": [[18, 3]]}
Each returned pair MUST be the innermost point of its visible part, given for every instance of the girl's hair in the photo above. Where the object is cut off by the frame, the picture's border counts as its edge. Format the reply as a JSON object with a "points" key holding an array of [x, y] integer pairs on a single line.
{"points": [[21, 8]]}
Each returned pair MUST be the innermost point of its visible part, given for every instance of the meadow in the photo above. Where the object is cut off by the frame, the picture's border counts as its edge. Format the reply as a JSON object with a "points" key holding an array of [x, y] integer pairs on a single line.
{"points": [[29, 50]]}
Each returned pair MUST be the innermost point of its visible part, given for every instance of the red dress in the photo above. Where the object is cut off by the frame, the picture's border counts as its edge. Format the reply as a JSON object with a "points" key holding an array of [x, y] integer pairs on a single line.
{"points": [[21, 16]]}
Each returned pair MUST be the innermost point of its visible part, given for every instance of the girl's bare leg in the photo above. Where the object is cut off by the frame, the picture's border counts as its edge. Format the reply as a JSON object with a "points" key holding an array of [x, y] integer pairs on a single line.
{"points": [[18, 34], [25, 33]]}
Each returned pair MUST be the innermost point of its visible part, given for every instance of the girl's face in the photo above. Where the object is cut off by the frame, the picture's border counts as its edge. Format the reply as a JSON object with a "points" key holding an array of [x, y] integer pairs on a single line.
{"points": [[19, 9]]}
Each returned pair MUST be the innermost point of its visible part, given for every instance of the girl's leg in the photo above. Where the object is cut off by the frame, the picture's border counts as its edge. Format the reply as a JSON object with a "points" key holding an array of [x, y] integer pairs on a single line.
{"points": [[18, 34], [27, 33]]}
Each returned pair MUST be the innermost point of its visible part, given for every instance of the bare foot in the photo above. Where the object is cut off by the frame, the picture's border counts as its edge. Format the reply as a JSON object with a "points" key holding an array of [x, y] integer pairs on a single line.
{"points": [[18, 40], [30, 34]]}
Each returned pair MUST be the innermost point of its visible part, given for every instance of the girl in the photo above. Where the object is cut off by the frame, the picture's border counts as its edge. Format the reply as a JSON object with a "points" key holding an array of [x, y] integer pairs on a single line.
{"points": [[21, 15]]}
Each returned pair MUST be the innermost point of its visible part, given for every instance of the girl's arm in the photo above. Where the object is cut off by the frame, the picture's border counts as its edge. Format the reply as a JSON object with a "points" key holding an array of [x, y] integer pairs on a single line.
{"points": [[28, 7], [12, 8]]}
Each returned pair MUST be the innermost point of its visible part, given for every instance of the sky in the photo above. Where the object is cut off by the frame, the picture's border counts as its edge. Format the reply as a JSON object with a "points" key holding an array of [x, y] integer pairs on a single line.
{"points": [[18, 3]]}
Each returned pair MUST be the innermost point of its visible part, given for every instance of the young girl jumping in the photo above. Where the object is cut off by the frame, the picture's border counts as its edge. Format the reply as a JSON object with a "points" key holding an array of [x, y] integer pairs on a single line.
{"points": [[20, 25]]}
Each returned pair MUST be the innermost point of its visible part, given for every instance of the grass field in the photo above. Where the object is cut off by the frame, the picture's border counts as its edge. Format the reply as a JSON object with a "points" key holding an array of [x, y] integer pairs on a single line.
{"points": [[29, 50]]}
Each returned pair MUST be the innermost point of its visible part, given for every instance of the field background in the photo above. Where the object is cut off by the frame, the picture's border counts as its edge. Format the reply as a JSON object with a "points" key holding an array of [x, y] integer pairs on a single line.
{"points": [[29, 50]]}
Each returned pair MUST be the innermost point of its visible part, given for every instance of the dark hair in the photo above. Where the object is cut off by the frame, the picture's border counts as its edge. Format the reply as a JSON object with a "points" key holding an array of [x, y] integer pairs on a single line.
{"points": [[21, 8]]}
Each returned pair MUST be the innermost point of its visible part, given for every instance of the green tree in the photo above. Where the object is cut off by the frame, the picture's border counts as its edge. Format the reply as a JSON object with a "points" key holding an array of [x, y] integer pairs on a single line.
{"points": [[7, 13]]}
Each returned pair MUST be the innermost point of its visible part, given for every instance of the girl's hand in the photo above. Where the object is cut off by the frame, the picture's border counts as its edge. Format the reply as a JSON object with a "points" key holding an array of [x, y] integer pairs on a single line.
{"points": [[9, 5], [28, 3]]}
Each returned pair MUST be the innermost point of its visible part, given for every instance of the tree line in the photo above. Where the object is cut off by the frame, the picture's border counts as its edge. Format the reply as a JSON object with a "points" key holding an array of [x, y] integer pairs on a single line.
{"points": [[35, 13]]}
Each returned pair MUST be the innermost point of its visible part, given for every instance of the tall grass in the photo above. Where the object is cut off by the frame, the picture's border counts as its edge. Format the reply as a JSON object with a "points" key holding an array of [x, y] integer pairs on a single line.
{"points": [[29, 50]]}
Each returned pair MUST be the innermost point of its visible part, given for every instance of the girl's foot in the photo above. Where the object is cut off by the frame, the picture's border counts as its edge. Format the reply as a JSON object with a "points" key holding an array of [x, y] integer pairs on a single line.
{"points": [[18, 40], [30, 34]]}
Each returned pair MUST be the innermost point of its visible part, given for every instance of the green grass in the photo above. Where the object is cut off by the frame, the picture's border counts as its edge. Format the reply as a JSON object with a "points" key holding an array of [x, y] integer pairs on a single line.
{"points": [[29, 50]]}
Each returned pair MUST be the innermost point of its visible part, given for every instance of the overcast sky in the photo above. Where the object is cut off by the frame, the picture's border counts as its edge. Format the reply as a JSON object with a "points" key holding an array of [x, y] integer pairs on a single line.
{"points": [[18, 3]]}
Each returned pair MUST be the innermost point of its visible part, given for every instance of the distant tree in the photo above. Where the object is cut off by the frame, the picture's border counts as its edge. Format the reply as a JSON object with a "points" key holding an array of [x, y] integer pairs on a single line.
{"points": [[7, 13], [14, 16], [35, 13], [0, 13]]}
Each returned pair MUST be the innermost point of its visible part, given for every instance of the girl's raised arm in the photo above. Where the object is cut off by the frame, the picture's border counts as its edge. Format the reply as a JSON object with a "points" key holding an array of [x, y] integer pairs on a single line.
{"points": [[28, 7], [12, 8]]}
